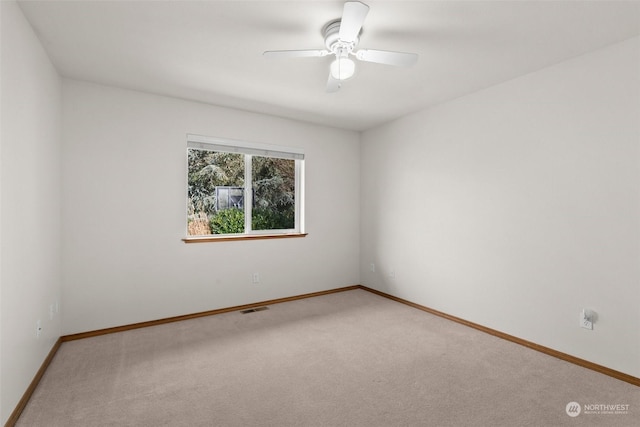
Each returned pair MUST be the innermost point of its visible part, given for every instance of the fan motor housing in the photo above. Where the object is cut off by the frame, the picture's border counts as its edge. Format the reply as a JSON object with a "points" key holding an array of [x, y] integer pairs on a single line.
{"points": [[331, 33]]}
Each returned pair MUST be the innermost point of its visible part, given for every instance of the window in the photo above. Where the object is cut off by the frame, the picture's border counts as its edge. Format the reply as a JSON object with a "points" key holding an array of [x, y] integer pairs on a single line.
{"points": [[240, 188]]}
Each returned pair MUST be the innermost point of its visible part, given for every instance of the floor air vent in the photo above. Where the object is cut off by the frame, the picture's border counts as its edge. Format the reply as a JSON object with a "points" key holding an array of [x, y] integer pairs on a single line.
{"points": [[253, 310]]}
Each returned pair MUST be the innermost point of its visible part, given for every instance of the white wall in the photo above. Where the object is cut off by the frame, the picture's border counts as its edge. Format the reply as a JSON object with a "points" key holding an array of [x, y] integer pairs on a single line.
{"points": [[30, 205], [124, 193], [517, 206]]}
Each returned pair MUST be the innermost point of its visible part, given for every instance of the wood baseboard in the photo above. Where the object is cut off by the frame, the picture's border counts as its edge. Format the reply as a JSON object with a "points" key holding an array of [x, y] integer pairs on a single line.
{"points": [[13, 418], [105, 331], [546, 350]]}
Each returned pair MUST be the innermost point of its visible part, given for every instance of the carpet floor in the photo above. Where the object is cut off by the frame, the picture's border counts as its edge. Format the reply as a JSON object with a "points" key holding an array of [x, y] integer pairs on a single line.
{"points": [[351, 358]]}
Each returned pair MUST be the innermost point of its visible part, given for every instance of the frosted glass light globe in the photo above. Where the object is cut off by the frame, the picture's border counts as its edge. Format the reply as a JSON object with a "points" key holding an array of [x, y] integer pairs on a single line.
{"points": [[342, 68]]}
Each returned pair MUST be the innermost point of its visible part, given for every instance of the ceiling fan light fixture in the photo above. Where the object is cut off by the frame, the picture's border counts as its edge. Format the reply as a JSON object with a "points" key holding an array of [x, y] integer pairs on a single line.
{"points": [[341, 36], [342, 68]]}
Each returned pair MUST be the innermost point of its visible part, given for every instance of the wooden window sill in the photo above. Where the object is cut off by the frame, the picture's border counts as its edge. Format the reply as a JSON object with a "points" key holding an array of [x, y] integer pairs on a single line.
{"points": [[227, 238]]}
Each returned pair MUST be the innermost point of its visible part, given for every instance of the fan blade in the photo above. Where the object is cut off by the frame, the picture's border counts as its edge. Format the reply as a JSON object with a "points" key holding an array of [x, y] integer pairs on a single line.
{"points": [[399, 59], [333, 85], [310, 53], [352, 19]]}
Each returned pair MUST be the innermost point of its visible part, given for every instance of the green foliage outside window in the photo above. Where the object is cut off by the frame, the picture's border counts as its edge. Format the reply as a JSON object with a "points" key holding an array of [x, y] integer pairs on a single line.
{"points": [[207, 170], [273, 185], [266, 219], [227, 221]]}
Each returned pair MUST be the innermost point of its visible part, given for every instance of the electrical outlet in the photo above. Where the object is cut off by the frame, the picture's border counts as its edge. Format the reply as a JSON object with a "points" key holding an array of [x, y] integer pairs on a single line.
{"points": [[256, 278], [586, 319]]}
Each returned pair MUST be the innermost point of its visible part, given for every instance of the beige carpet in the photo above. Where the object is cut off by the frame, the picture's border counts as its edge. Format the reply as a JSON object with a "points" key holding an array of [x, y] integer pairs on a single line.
{"points": [[346, 359]]}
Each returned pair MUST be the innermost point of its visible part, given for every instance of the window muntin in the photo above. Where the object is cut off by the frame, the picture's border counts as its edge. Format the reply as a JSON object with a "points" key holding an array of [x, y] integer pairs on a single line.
{"points": [[219, 202]]}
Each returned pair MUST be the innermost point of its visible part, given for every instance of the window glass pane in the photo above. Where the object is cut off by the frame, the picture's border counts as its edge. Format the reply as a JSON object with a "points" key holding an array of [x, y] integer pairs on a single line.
{"points": [[273, 193], [216, 192]]}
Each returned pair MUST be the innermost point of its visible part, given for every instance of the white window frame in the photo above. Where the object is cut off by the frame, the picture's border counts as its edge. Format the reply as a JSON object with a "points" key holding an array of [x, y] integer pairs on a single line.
{"points": [[250, 149]]}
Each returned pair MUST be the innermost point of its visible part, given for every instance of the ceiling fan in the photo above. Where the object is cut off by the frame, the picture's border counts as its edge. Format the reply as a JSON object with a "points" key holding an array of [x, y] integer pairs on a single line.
{"points": [[341, 36]]}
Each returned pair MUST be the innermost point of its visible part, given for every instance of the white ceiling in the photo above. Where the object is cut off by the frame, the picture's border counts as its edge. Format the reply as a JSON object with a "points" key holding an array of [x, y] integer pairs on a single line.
{"points": [[211, 51]]}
